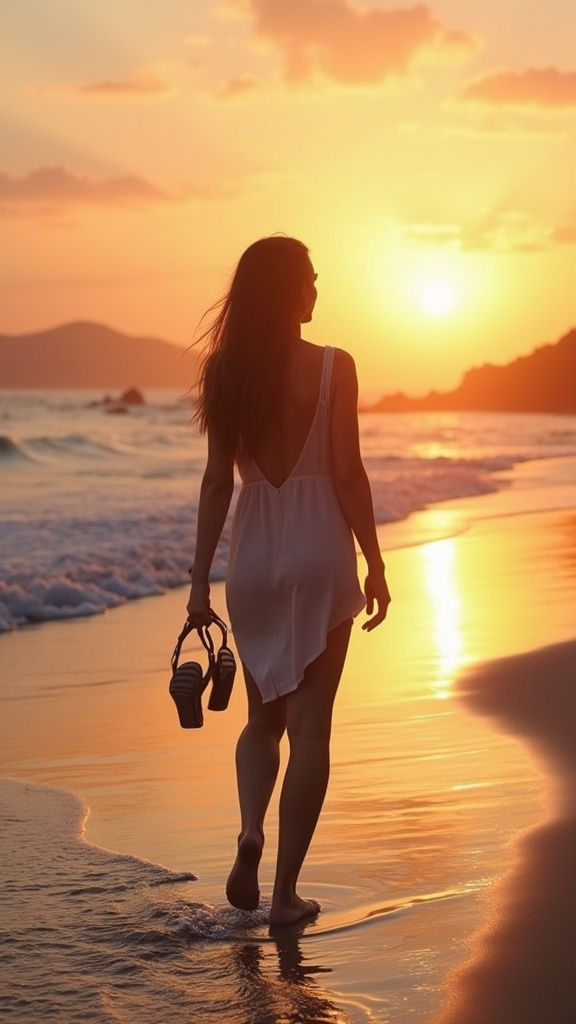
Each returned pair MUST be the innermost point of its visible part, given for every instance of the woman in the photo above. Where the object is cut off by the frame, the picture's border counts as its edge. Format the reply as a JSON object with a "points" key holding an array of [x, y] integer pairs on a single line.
{"points": [[285, 412]]}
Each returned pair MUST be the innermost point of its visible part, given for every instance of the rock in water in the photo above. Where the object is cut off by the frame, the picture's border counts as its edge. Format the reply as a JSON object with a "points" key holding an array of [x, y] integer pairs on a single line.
{"points": [[132, 396]]}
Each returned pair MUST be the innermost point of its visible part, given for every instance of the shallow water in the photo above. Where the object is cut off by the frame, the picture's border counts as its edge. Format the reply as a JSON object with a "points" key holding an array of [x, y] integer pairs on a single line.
{"points": [[424, 796], [92, 935], [423, 799]]}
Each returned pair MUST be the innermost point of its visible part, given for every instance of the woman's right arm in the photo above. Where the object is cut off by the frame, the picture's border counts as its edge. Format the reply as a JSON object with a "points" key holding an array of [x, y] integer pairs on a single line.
{"points": [[352, 484], [215, 496]]}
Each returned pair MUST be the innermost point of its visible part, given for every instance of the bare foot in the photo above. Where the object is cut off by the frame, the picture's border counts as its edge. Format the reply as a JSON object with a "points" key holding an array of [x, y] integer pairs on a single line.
{"points": [[242, 886], [282, 914]]}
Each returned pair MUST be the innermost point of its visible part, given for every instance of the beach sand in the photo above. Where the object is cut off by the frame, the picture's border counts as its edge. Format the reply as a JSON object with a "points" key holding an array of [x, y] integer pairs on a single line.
{"points": [[521, 963], [449, 741]]}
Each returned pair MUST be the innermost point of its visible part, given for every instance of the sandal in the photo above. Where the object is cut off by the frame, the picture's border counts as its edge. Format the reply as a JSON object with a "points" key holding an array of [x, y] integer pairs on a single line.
{"points": [[223, 671], [189, 681]]}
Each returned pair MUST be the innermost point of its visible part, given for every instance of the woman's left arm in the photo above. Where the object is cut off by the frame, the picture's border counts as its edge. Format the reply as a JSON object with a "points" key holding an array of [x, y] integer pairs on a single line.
{"points": [[215, 497]]}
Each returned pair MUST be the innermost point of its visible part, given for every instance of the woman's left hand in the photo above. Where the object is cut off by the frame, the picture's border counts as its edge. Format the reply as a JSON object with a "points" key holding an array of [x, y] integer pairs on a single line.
{"points": [[377, 593], [198, 607]]}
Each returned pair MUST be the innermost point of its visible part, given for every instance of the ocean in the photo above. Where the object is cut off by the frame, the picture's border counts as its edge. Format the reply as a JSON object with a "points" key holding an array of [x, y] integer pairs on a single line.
{"points": [[98, 508], [117, 828]]}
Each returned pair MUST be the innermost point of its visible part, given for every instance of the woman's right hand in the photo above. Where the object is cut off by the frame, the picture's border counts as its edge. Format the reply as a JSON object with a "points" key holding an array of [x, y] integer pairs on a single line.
{"points": [[376, 593], [198, 607]]}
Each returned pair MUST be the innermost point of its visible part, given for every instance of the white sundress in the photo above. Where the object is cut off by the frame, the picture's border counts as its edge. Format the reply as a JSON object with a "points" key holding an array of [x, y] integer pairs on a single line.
{"points": [[292, 570]]}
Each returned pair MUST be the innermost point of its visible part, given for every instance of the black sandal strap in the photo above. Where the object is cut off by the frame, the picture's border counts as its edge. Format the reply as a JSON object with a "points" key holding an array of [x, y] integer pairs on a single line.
{"points": [[204, 634], [188, 628], [222, 627]]}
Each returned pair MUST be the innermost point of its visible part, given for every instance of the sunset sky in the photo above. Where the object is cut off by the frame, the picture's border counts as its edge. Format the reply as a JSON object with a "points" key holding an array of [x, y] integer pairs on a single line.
{"points": [[425, 153]]}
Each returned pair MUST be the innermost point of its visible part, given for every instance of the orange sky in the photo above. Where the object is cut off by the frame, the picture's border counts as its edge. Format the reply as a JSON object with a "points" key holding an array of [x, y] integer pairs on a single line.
{"points": [[425, 154]]}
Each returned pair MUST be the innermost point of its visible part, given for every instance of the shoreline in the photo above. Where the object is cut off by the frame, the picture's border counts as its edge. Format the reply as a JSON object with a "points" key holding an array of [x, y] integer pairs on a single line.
{"points": [[519, 964], [162, 615], [547, 478], [424, 797], [547, 484]]}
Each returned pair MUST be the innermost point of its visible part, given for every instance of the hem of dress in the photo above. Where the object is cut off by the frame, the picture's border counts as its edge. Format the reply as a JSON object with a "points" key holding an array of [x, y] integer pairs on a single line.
{"points": [[277, 696]]}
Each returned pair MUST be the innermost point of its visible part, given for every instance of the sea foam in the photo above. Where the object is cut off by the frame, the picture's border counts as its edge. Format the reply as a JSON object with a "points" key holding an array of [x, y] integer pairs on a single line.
{"points": [[98, 510]]}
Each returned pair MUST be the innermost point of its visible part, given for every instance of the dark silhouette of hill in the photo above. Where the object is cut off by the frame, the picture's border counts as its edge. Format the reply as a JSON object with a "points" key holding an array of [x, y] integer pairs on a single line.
{"points": [[90, 355], [543, 381]]}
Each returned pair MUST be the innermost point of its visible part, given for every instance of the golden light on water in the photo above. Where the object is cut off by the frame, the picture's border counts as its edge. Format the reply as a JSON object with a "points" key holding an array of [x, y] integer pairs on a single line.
{"points": [[441, 583]]}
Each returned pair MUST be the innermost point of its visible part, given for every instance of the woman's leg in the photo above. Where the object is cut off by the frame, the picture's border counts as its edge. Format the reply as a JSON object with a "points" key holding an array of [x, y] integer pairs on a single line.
{"points": [[309, 721], [257, 763]]}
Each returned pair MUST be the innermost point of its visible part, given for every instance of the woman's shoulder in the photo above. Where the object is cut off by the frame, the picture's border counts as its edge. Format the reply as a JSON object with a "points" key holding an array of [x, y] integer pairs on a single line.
{"points": [[342, 357], [344, 381], [344, 365]]}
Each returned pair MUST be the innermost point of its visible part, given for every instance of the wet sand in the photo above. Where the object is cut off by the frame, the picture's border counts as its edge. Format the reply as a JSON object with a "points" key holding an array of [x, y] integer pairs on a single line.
{"points": [[521, 963], [442, 754]]}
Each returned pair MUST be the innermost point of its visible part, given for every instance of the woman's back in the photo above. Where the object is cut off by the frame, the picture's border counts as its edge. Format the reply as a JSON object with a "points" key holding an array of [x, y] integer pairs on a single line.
{"points": [[282, 443]]}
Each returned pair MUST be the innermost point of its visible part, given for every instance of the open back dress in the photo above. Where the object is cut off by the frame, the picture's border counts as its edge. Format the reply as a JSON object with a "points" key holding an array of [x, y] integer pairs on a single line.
{"points": [[292, 571]]}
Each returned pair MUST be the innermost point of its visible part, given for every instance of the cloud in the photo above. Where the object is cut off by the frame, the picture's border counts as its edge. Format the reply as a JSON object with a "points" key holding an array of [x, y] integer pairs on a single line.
{"points": [[541, 88], [497, 124], [510, 231], [141, 86], [336, 40], [53, 189], [239, 86], [433, 235]]}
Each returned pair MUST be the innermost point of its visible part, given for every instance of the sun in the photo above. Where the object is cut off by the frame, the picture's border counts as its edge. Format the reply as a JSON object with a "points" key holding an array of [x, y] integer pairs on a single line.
{"points": [[437, 297]]}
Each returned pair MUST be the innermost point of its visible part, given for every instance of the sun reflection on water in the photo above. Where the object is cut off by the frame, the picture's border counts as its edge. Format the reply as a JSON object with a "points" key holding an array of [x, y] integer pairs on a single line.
{"points": [[441, 584]]}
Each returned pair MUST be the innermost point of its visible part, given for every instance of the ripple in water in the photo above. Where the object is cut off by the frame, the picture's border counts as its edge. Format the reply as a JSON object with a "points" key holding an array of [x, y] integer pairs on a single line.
{"points": [[94, 936]]}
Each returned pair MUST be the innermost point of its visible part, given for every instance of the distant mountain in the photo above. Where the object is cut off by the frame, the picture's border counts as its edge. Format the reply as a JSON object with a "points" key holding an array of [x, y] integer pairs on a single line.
{"points": [[544, 381], [90, 355]]}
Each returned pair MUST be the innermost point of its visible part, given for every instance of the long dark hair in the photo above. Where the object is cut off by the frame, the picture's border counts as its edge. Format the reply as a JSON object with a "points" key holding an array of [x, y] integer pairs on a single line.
{"points": [[247, 341]]}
